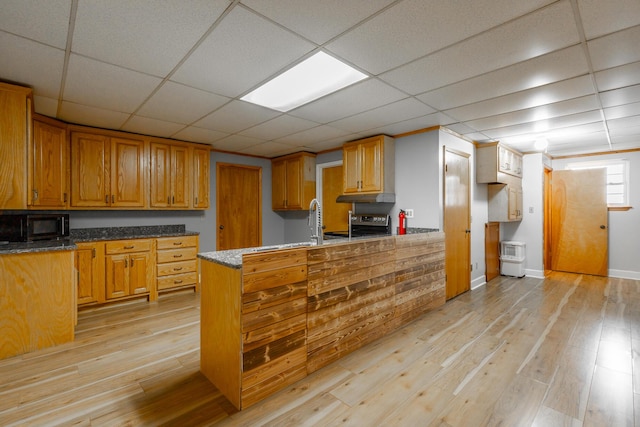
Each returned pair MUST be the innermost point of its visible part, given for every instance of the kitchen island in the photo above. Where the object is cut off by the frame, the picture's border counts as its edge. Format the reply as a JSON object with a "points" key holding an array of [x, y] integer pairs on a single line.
{"points": [[271, 316]]}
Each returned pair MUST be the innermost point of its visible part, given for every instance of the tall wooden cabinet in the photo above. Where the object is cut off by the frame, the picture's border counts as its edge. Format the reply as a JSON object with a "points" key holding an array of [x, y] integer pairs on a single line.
{"points": [[107, 171], [200, 178], [293, 179], [505, 202], [15, 137], [369, 165], [170, 175], [501, 168], [48, 165]]}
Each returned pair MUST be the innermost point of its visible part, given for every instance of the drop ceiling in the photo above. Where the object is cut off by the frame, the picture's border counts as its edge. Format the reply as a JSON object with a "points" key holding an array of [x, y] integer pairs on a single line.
{"points": [[491, 70]]}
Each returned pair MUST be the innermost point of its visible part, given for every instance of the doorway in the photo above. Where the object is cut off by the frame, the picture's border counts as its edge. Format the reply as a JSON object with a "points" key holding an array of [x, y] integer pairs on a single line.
{"points": [[579, 221], [457, 222], [238, 206]]}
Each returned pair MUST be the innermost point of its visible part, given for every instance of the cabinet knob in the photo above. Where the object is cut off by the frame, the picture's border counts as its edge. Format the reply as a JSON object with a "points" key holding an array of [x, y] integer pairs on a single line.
{"points": [[221, 227], [602, 227]]}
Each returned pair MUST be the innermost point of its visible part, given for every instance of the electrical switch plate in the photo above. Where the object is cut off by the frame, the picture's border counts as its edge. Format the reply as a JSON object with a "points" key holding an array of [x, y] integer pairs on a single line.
{"points": [[409, 213]]}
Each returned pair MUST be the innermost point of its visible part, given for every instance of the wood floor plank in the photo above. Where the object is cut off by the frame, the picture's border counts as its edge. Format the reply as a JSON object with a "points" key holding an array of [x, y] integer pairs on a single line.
{"points": [[611, 399]]}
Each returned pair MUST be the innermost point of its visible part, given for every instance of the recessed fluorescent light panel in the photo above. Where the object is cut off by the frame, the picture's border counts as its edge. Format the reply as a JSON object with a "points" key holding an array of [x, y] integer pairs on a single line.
{"points": [[314, 77]]}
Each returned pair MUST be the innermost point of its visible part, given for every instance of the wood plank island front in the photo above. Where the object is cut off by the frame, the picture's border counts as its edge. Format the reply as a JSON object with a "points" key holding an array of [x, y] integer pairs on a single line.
{"points": [[271, 317]]}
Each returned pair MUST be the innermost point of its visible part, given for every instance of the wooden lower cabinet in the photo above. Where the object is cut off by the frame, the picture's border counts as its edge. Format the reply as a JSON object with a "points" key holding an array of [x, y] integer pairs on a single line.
{"points": [[129, 268], [177, 263], [289, 312], [89, 264]]}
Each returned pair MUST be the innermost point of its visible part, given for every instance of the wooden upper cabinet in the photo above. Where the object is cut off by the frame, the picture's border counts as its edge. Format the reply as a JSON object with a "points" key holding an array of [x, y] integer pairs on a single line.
{"points": [[201, 178], [170, 175], [496, 163], [369, 165], [48, 165], [293, 181], [107, 171], [15, 137]]}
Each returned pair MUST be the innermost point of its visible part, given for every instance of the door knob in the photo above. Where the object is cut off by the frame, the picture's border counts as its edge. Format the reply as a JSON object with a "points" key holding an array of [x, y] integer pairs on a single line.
{"points": [[222, 227], [603, 227]]}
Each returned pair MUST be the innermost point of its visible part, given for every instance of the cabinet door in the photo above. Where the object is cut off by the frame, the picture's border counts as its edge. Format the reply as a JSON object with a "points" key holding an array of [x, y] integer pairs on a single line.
{"points": [[371, 166], [294, 169], [49, 166], [89, 170], [279, 185], [180, 176], [127, 173], [200, 178], [117, 276], [350, 168], [84, 266], [139, 266], [160, 175]]}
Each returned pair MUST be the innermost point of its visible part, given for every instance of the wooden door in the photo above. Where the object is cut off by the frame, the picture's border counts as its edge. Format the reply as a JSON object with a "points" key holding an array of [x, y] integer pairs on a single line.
{"points": [[49, 163], [492, 250], [84, 257], [335, 215], [371, 166], [127, 173], [579, 221], [457, 217], [238, 206], [89, 164], [139, 266], [160, 175], [547, 221], [180, 176], [350, 163], [117, 276], [200, 178]]}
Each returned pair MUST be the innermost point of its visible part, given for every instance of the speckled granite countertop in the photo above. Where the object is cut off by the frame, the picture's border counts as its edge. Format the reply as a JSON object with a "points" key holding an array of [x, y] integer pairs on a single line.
{"points": [[95, 235], [233, 258], [32, 247], [134, 232]]}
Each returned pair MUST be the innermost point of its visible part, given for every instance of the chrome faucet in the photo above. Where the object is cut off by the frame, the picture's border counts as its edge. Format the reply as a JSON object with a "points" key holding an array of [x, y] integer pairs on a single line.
{"points": [[317, 237]]}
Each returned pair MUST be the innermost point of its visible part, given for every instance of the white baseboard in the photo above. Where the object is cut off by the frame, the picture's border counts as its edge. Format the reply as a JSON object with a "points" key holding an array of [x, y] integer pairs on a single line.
{"points": [[623, 274], [538, 274], [479, 281]]}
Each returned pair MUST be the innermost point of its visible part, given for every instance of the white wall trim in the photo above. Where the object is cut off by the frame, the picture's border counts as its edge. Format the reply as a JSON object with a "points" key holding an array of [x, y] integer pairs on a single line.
{"points": [[478, 282], [538, 274], [623, 274]]}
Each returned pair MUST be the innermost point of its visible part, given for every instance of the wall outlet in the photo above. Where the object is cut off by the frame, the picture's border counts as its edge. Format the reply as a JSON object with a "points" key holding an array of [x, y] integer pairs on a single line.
{"points": [[408, 213]]}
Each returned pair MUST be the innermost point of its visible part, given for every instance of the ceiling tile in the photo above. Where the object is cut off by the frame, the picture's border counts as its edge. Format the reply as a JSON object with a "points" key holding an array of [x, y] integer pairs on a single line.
{"points": [[402, 110], [550, 68], [236, 116], [28, 60], [627, 95], [43, 21], [241, 51], [542, 112], [532, 35], [621, 111], [623, 122], [314, 135], [196, 134], [236, 143], [604, 17], [363, 96], [45, 106], [91, 116], [423, 122], [615, 49], [269, 149], [146, 36], [543, 126], [436, 24], [279, 127], [614, 78], [181, 104], [92, 83], [147, 126], [319, 22], [547, 94]]}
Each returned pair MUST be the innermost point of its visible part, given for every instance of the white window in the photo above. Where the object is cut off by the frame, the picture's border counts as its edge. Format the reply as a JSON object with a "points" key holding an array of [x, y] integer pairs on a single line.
{"points": [[617, 179]]}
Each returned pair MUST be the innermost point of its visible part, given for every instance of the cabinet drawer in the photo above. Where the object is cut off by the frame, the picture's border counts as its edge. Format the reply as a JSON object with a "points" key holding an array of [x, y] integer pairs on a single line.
{"points": [[177, 268], [177, 242], [128, 246], [177, 255], [177, 280]]}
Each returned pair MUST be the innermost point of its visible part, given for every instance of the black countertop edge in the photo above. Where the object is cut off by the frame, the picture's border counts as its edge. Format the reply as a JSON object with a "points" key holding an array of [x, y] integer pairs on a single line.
{"points": [[38, 246]]}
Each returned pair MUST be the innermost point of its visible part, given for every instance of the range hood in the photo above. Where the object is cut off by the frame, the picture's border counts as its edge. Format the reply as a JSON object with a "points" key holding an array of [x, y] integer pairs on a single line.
{"points": [[367, 198]]}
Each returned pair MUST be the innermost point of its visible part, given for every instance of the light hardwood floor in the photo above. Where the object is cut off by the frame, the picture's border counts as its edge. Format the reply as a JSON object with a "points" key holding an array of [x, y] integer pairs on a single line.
{"points": [[564, 351]]}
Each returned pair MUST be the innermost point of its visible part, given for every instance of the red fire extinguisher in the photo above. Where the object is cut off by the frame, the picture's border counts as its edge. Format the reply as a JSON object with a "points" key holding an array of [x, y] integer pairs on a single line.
{"points": [[402, 222]]}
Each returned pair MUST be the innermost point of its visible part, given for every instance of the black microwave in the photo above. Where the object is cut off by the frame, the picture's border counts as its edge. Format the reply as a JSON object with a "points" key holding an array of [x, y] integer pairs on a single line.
{"points": [[31, 227]]}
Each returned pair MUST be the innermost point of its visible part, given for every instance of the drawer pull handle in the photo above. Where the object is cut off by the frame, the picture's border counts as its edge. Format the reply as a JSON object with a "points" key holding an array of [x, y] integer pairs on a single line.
{"points": [[178, 256], [177, 268], [130, 247], [177, 281], [177, 243]]}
